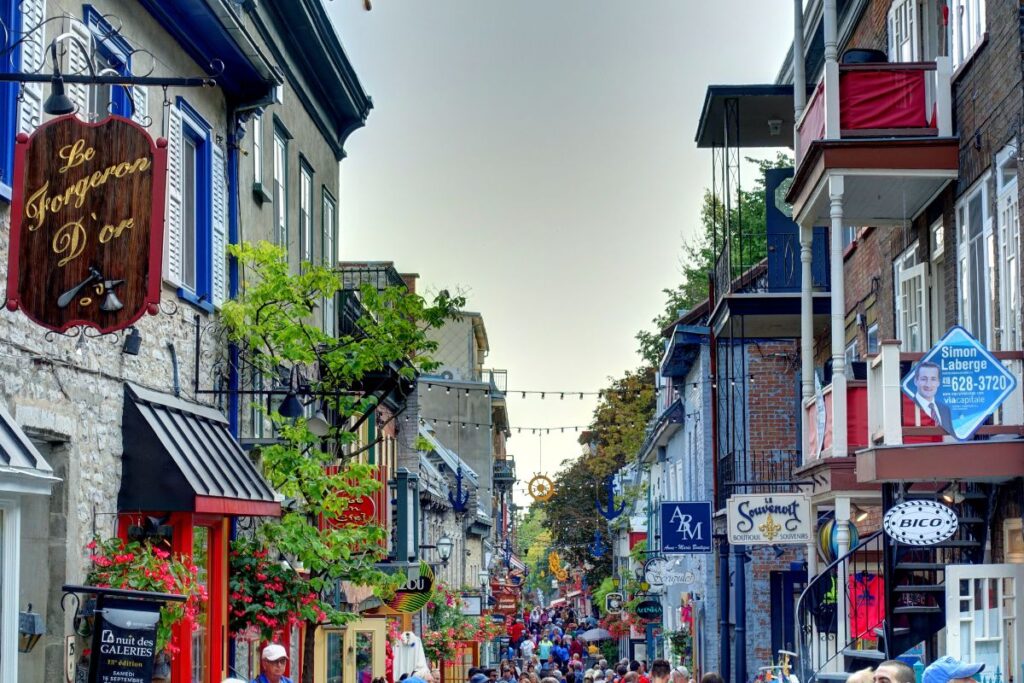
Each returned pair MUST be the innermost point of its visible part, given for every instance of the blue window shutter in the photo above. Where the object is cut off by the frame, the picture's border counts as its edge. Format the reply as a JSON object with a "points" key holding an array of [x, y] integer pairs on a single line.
{"points": [[172, 223], [219, 193], [30, 109]]}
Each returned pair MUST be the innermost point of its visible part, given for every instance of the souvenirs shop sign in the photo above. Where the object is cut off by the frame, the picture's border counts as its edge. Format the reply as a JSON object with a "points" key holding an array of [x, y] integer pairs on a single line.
{"points": [[769, 519], [87, 224]]}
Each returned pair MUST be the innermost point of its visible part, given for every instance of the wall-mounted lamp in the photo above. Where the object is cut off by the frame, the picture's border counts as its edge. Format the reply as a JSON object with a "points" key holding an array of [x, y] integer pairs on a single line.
{"points": [[444, 549], [30, 629], [58, 102], [857, 513], [133, 342], [318, 424], [774, 126]]}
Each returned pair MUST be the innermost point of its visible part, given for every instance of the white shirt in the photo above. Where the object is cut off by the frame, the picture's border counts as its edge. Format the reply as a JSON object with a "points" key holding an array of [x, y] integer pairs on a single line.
{"points": [[409, 655], [526, 647]]}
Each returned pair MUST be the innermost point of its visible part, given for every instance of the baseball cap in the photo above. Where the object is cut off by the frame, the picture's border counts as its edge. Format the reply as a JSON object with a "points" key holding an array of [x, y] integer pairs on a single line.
{"points": [[274, 652], [478, 678], [945, 669]]}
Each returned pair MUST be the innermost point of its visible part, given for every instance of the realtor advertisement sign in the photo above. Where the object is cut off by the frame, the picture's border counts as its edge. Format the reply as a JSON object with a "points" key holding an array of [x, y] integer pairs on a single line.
{"points": [[958, 384], [769, 519], [685, 527]]}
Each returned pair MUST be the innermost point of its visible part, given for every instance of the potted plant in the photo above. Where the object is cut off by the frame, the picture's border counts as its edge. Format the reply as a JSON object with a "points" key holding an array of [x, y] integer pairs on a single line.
{"points": [[145, 566]]}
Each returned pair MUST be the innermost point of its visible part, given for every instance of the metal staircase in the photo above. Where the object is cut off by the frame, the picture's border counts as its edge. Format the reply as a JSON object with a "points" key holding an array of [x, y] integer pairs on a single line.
{"points": [[883, 597]]}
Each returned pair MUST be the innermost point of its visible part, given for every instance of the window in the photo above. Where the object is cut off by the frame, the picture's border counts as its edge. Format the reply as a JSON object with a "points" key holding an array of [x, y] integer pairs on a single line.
{"points": [[851, 356], [975, 253], [1008, 215], [903, 31], [95, 41], [937, 280], [281, 186], [873, 339], [967, 27], [24, 114], [849, 236], [196, 258], [257, 149], [910, 282], [329, 254], [305, 211]]}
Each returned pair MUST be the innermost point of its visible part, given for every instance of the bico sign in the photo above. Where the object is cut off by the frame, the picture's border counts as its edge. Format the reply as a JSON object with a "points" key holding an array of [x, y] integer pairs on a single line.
{"points": [[920, 522], [769, 519], [87, 224]]}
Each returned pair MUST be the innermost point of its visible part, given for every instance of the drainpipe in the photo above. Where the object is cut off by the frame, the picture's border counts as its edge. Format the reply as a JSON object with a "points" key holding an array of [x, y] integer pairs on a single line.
{"points": [[723, 608], [740, 632], [235, 133], [799, 77]]}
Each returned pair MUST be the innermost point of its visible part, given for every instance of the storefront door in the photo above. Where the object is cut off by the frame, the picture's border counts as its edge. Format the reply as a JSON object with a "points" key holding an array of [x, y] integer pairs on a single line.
{"points": [[353, 654], [983, 616]]}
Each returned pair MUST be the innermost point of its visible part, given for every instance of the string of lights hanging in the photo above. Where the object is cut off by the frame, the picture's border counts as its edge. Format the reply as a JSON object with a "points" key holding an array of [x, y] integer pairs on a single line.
{"points": [[441, 385]]}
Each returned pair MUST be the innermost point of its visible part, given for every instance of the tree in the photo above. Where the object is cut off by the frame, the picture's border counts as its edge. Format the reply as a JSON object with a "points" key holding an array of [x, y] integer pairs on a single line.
{"points": [[272, 323], [701, 249]]}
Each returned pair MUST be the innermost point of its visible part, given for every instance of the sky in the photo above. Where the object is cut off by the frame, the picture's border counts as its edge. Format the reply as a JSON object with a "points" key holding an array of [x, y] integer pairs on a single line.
{"points": [[538, 156]]}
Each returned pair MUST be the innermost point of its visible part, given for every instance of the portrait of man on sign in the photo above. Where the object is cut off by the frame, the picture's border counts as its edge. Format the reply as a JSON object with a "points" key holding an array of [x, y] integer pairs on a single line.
{"points": [[927, 380]]}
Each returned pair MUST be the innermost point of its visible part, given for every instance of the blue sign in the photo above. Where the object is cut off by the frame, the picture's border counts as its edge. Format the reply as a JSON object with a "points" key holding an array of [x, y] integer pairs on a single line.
{"points": [[685, 528], [958, 383]]}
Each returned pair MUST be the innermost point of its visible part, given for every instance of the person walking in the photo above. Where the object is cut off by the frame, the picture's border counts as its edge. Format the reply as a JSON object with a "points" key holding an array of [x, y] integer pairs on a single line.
{"points": [[661, 671]]}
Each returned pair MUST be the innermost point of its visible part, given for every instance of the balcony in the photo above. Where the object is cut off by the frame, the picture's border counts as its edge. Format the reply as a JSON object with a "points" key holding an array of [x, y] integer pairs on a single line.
{"points": [[904, 445], [504, 472], [894, 146], [764, 471]]}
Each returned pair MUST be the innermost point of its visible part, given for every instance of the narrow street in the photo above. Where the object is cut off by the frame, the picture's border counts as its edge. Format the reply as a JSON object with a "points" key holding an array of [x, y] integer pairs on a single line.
{"points": [[511, 342]]}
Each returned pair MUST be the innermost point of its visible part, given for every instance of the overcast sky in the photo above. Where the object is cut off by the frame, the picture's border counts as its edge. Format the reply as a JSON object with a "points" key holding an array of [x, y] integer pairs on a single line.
{"points": [[539, 156]]}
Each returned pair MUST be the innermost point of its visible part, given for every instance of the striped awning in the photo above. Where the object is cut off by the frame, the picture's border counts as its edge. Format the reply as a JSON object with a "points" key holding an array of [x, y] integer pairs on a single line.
{"points": [[21, 465], [180, 456]]}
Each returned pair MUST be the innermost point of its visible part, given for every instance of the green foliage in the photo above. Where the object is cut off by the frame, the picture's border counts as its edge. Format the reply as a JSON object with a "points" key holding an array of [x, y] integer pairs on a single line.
{"points": [[273, 323], [701, 248]]}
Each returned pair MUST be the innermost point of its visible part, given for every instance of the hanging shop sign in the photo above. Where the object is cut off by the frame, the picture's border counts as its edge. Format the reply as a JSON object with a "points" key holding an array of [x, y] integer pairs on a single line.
{"points": [[920, 522], [415, 593], [650, 610], [124, 642], [769, 519], [958, 384], [87, 222], [686, 527], [613, 603], [661, 571]]}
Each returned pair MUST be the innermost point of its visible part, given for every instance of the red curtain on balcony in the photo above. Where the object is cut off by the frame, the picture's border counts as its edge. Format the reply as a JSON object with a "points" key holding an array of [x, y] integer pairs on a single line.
{"points": [[882, 99]]}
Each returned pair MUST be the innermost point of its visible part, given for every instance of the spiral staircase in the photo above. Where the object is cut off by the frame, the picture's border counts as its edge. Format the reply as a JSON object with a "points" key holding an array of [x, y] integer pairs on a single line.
{"points": [[883, 598]]}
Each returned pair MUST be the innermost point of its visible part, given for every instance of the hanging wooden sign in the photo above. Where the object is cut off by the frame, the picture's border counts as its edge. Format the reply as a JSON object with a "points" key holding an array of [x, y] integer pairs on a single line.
{"points": [[87, 224]]}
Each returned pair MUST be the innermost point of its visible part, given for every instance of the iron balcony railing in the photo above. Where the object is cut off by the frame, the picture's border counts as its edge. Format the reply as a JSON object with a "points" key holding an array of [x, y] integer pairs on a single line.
{"points": [[763, 471]]}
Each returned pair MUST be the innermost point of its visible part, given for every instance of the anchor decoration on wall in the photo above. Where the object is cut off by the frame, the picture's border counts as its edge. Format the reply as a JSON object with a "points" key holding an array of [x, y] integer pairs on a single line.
{"points": [[609, 511], [598, 548], [458, 498], [507, 552]]}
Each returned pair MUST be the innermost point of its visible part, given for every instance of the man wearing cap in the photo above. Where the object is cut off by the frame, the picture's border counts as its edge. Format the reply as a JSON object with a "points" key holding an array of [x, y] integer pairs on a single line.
{"points": [[273, 662], [949, 670]]}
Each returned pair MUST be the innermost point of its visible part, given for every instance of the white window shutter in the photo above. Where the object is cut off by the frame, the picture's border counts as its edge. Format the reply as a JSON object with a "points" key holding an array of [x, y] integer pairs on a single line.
{"points": [[172, 223], [30, 107], [79, 54], [219, 194], [140, 104]]}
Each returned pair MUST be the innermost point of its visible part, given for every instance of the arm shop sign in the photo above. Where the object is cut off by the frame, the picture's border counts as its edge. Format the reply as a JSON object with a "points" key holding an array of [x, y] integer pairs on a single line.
{"points": [[87, 224], [769, 519]]}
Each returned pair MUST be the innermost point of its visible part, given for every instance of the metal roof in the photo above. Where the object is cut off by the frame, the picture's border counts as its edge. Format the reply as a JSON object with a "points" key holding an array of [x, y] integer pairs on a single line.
{"points": [[180, 456], [16, 451], [756, 106], [450, 459]]}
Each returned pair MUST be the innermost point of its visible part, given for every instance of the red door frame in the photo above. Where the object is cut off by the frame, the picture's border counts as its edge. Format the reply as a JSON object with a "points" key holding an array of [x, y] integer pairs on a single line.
{"points": [[217, 586]]}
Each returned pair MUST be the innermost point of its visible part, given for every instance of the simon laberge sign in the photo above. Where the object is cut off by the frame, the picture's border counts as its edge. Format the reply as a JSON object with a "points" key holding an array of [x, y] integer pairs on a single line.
{"points": [[769, 519], [87, 224]]}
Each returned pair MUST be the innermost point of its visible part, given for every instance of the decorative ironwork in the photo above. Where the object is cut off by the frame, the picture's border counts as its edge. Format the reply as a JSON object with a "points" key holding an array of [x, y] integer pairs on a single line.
{"points": [[609, 510], [458, 498]]}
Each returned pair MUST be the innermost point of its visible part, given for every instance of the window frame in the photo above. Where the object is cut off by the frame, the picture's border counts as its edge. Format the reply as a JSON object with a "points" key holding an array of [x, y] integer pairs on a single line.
{"points": [[307, 222], [12, 16], [967, 297], [908, 9], [328, 252], [115, 49], [958, 55], [1008, 245], [199, 131], [280, 192], [257, 150], [909, 260]]}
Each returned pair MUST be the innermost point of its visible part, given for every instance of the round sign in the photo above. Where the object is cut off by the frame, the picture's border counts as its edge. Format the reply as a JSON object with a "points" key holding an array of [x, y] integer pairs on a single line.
{"points": [[654, 570], [920, 522], [649, 609]]}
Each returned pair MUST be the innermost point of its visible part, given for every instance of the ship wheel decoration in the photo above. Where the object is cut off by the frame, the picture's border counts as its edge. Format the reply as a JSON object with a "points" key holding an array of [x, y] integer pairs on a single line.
{"points": [[540, 488]]}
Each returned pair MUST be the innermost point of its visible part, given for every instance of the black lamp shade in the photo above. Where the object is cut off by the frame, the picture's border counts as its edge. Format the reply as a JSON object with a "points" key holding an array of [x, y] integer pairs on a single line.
{"points": [[291, 407], [58, 102]]}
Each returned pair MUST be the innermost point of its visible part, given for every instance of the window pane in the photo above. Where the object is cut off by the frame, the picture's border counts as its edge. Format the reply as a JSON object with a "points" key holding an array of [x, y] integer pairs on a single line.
{"points": [[364, 656], [189, 161], [200, 636], [280, 190], [257, 148], [333, 667], [306, 213]]}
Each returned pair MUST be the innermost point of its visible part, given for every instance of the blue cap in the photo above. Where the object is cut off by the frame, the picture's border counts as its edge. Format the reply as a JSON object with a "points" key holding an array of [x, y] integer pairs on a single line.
{"points": [[478, 678], [945, 669]]}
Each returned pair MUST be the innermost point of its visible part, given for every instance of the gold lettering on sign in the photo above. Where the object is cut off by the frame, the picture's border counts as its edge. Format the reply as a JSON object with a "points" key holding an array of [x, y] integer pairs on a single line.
{"points": [[75, 154], [40, 203], [109, 232], [69, 240]]}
